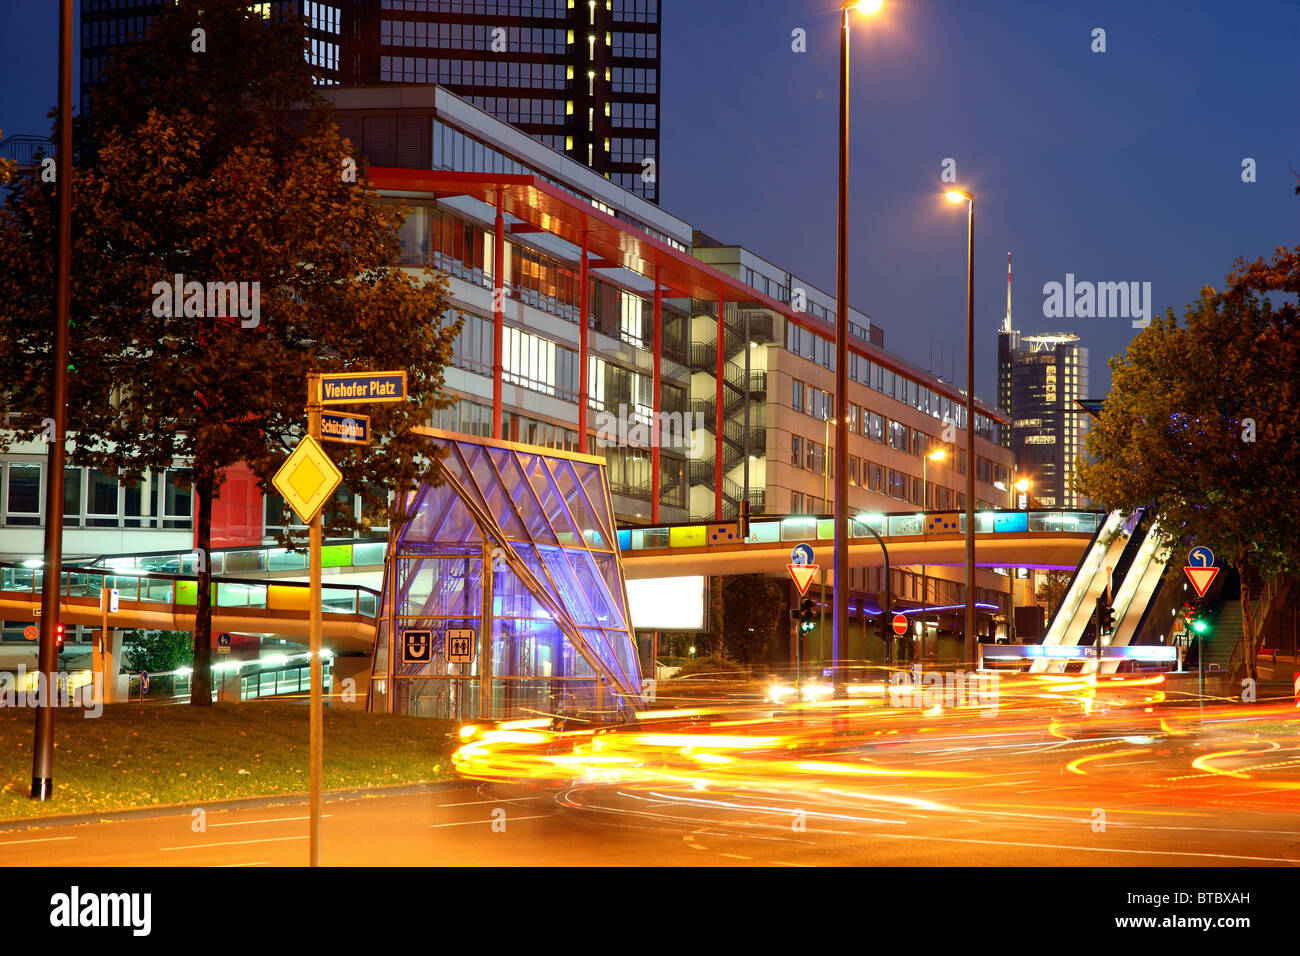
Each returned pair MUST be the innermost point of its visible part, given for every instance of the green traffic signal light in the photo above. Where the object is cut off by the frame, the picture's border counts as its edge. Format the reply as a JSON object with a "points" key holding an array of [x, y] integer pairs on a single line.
{"points": [[1200, 626]]}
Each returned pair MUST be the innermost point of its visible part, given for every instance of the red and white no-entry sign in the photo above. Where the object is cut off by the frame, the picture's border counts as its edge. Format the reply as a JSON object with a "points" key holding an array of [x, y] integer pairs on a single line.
{"points": [[900, 624]]}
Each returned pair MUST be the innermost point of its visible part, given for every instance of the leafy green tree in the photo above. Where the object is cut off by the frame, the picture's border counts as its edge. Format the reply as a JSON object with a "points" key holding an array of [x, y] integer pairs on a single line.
{"points": [[755, 603], [1200, 422], [156, 651], [209, 154], [1053, 588]]}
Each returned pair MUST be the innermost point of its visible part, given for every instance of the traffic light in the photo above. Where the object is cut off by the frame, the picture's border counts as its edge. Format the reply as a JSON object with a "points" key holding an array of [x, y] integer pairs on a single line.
{"points": [[58, 636], [1196, 618], [1105, 617], [806, 616]]}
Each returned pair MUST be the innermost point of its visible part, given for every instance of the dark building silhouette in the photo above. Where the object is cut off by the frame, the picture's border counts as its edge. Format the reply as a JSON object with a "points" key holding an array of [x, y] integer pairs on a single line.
{"points": [[580, 76]]}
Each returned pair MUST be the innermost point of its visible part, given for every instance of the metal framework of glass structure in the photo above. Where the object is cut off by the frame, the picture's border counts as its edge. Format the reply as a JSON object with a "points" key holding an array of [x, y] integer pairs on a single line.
{"points": [[550, 615]]}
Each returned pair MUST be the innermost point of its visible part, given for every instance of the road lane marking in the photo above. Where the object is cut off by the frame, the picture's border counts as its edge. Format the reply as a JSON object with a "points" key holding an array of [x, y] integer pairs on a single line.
{"points": [[222, 866], [736, 856], [41, 840], [204, 846], [244, 823], [780, 863], [470, 823], [470, 803]]}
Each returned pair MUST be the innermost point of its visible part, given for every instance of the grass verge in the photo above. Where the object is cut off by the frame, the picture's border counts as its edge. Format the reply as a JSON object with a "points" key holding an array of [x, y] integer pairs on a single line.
{"points": [[150, 755]]}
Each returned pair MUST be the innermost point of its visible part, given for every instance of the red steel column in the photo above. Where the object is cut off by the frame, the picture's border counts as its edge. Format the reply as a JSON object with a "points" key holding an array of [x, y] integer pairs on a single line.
{"points": [[498, 317], [584, 307], [717, 443], [655, 399]]}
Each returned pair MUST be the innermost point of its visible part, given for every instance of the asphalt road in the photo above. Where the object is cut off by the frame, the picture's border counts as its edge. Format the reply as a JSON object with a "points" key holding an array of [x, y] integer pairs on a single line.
{"points": [[1014, 799]]}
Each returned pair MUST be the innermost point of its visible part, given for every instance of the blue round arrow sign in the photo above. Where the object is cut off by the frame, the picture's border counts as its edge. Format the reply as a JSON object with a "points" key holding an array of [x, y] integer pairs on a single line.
{"points": [[802, 554]]}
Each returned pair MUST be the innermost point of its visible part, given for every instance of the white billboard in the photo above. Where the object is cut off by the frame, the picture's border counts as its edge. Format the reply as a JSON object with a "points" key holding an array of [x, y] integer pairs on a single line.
{"points": [[667, 604]]}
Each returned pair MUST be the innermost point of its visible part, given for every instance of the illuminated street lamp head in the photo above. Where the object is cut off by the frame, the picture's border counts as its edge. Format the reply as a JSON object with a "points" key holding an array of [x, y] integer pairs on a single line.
{"points": [[937, 455], [1022, 484], [958, 195], [863, 6]]}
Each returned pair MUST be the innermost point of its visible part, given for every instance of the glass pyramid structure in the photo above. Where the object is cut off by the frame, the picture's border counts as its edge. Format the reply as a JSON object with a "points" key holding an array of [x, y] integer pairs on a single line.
{"points": [[510, 558]]}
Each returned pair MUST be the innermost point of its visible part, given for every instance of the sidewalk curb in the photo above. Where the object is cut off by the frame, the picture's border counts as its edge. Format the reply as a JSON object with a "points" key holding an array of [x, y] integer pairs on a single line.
{"points": [[239, 803]]}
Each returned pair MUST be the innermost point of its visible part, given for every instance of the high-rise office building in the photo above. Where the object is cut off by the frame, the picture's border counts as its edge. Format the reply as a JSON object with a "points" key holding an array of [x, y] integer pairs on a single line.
{"points": [[1008, 343], [580, 76], [1047, 373], [106, 24]]}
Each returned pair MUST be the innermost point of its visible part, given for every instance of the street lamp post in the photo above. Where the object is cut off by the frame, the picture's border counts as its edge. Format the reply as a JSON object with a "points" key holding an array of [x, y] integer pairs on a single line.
{"points": [[840, 620], [960, 195], [826, 460], [48, 652]]}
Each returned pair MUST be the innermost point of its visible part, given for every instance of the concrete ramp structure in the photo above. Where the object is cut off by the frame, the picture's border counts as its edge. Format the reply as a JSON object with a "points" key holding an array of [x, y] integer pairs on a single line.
{"points": [[512, 554]]}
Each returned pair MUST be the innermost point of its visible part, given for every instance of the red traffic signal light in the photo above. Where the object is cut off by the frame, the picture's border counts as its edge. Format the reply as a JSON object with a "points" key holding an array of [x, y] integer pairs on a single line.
{"points": [[58, 636]]}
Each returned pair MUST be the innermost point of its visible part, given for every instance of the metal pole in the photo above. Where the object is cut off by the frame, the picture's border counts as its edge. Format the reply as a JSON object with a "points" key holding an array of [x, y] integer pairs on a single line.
{"points": [[105, 646], [821, 619], [485, 632], [841, 514], [48, 657], [885, 624], [317, 715], [498, 322], [920, 657], [584, 307], [719, 405], [826, 469], [970, 433], [744, 451], [656, 481]]}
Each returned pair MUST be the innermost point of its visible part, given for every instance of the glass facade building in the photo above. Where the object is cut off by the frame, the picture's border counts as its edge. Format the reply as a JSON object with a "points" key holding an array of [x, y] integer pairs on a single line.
{"points": [[518, 547]]}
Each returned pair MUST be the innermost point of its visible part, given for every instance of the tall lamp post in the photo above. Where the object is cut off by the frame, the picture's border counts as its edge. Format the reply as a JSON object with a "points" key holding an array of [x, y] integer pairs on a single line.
{"points": [[937, 455], [958, 196], [821, 624], [48, 653], [840, 621]]}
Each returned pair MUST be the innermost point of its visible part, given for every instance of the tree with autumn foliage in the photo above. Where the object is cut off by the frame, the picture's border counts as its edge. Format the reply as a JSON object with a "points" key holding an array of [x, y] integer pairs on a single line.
{"points": [[1200, 423], [208, 153]]}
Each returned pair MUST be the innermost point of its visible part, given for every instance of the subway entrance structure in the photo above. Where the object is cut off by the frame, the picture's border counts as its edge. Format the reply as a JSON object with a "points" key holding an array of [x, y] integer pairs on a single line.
{"points": [[517, 544]]}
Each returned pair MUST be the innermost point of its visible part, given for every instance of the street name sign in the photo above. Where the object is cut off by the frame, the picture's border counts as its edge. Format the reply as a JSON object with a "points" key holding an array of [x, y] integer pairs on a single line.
{"points": [[345, 428], [460, 645], [351, 388], [307, 479]]}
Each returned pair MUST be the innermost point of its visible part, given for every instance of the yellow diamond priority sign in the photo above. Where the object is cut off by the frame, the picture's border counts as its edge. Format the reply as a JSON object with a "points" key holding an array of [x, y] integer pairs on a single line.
{"points": [[307, 479]]}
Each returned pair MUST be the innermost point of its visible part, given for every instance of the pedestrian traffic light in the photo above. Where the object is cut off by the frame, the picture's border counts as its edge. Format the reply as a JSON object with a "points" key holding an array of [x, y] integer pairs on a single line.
{"points": [[58, 636], [806, 616]]}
